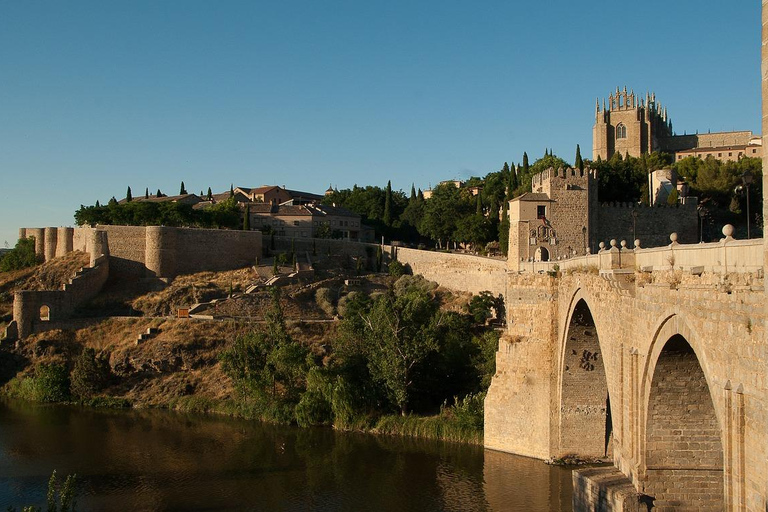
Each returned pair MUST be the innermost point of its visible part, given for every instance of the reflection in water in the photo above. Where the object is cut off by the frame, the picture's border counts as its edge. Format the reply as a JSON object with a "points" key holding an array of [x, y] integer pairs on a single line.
{"points": [[159, 460]]}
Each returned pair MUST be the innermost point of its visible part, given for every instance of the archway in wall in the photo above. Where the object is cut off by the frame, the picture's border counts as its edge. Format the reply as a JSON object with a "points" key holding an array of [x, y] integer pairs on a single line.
{"points": [[542, 254], [45, 313], [585, 410], [683, 447]]}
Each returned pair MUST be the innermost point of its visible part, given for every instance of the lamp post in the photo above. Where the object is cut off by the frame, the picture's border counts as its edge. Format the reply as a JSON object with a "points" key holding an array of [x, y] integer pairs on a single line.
{"points": [[746, 179], [702, 213], [584, 237]]}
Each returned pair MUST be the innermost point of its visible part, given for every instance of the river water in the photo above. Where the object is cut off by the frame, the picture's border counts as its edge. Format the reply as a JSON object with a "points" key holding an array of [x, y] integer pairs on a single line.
{"points": [[160, 460]]}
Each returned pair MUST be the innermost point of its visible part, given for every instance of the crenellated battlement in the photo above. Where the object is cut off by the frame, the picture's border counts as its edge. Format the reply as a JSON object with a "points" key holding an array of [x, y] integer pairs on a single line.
{"points": [[641, 206]]}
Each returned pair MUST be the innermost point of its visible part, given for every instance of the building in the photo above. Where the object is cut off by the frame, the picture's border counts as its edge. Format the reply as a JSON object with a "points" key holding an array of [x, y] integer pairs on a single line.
{"points": [[308, 221], [561, 217], [627, 124]]}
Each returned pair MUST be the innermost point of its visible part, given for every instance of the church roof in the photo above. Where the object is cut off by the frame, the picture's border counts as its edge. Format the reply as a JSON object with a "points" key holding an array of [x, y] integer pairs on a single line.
{"points": [[533, 197]]}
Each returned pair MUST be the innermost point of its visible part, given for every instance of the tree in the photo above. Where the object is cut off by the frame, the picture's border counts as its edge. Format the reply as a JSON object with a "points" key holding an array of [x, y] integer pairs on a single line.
{"points": [[504, 230], [673, 197], [399, 332], [231, 190], [182, 190], [387, 218], [159, 194], [21, 256], [268, 363], [146, 193], [89, 375], [442, 211], [579, 163], [247, 218], [210, 194], [128, 196]]}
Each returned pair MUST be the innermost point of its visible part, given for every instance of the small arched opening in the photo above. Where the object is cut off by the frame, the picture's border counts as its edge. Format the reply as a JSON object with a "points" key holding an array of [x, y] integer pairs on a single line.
{"points": [[542, 254], [45, 313], [683, 448], [586, 427]]}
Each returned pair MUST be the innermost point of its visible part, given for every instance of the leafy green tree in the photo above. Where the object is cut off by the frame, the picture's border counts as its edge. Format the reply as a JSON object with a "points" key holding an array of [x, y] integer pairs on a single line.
{"points": [[673, 197], [475, 230], [21, 256], [442, 212], [268, 363], [399, 333]]}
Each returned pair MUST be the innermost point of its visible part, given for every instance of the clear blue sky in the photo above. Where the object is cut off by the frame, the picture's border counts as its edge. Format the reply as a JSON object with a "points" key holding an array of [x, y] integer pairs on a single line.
{"points": [[100, 95]]}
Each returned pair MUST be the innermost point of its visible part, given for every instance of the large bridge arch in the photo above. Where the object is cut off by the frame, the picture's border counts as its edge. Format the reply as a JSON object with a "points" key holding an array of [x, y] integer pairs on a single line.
{"points": [[680, 431], [585, 425]]}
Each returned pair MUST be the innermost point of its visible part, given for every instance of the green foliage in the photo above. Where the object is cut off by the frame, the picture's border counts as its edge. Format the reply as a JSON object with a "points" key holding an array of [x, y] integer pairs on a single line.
{"points": [[267, 365], [50, 383], [480, 306], [128, 195], [225, 214], [247, 219], [21, 256], [90, 374], [673, 197], [324, 299], [447, 205], [578, 162], [182, 189], [397, 269]]}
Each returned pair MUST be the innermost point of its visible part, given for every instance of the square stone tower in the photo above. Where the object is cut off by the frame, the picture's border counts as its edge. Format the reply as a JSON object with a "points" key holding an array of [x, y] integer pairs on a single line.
{"points": [[628, 124]]}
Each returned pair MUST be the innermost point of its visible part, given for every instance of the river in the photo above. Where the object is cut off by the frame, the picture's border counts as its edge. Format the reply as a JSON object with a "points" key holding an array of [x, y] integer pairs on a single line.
{"points": [[161, 460]]}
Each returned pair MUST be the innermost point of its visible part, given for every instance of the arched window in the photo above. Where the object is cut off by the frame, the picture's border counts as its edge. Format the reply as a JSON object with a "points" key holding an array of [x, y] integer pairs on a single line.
{"points": [[45, 313], [621, 131]]}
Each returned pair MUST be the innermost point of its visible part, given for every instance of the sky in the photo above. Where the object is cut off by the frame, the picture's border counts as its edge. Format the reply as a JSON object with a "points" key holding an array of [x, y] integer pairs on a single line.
{"points": [[97, 96]]}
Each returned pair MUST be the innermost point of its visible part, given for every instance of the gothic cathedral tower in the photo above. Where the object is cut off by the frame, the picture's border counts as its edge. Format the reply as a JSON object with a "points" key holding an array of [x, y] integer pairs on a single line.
{"points": [[628, 125]]}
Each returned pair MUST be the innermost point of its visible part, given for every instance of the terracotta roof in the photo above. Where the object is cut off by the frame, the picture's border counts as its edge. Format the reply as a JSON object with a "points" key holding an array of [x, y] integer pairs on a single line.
{"points": [[188, 198]]}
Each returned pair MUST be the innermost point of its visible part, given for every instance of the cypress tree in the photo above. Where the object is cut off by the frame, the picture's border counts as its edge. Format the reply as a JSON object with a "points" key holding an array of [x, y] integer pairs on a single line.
{"points": [[97, 204], [478, 205], [388, 205], [513, 182], [413, 194], [146, 193], [113, 200], [231, 190], [128, 196], [579, 162], [505, 171], [159, 194], [247, 219], [504, 229], [420, 195], [182, 190], [525, 164], [210, 195]]}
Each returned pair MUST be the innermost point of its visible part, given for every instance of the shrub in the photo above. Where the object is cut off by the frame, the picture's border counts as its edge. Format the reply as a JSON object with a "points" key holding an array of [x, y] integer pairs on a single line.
{"points": [[21, 256], [397, 269], [90, 374], [50, 383], [324, 299], [341, 306]]}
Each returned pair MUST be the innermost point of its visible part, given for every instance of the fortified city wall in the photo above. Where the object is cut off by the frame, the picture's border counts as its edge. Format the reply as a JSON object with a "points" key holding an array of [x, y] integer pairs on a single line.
{"points": [[651, 226], [154, 251]]}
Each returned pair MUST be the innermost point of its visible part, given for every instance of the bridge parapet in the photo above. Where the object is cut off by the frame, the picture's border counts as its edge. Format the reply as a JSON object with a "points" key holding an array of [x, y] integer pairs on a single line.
{"points": [[726, 256]]}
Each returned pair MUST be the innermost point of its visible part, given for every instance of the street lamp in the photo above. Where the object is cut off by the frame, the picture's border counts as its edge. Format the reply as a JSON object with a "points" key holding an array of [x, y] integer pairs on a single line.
{"points": [[746, 179], [702, 213]]}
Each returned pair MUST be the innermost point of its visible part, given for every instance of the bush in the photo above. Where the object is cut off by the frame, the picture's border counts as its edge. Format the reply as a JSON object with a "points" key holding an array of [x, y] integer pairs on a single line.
{"points": [[397, 269], [313, 409], [90, 374], [341, 307], [50, 383], [21, 256], [324, 299]]}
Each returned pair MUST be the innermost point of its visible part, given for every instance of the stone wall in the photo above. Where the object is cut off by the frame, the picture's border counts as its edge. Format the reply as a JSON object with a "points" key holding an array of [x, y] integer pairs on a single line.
{"points": [[34, 311], [154, 251], [652, 226], [636, 315], [461, 272]]}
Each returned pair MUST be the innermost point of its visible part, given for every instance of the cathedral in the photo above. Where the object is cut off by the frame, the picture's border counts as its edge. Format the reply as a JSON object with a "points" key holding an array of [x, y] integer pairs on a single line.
{"points": [[628, 124]]}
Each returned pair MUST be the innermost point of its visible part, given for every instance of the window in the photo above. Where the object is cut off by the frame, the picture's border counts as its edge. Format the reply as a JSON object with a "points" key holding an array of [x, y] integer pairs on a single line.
{"points": [[754, 151], [541, 211], [730, 154], [295, 223], [45, 313], [719, 155], [621, 131]]}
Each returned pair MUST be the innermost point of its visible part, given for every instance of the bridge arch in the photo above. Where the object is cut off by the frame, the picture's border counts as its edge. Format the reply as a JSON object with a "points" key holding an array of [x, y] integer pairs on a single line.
{"points": [[585, 426], [681, 441]]}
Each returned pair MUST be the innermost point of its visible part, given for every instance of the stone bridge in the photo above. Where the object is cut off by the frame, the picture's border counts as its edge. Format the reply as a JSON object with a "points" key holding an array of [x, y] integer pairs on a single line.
{"points": [[653, 359]]}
